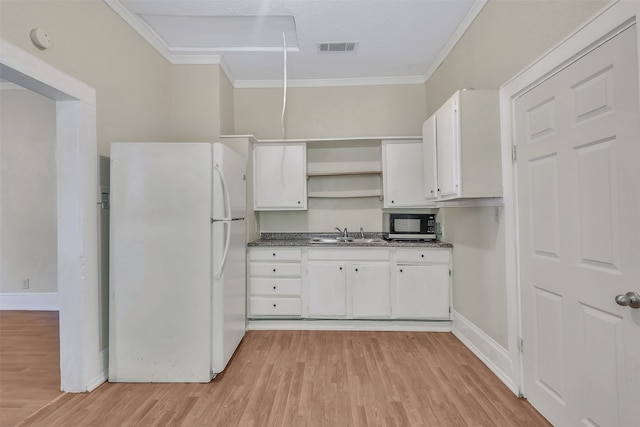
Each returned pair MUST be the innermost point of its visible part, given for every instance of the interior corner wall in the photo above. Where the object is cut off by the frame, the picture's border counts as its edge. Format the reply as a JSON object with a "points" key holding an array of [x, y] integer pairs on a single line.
{"points": [[227, 105], [96, 46], [195, 103], [504, 38], [28, 196]]}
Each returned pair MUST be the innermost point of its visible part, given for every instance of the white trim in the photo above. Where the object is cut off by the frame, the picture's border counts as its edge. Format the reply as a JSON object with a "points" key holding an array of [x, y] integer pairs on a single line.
{"points": [[349, 325], [77, 187], [210, 56], [145, 32], [356, 81], [610, 20], [491, 353], [102, 376], [30, 72], [455, 38], [44, 301], [10, 86], [195, 59]]}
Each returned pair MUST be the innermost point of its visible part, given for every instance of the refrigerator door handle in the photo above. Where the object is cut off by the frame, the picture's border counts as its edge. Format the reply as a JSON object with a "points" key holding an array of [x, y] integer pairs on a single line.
{"points": [[227, 228], [225, 191]]}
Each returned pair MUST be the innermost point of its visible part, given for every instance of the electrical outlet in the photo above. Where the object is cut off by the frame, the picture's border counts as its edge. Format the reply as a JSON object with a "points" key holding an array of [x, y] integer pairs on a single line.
{"points": [[25, 283]]}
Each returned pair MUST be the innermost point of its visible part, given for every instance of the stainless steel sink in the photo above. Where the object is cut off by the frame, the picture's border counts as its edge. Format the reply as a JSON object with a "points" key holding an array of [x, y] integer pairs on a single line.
{"points": [[372, 240], [343, 240]]}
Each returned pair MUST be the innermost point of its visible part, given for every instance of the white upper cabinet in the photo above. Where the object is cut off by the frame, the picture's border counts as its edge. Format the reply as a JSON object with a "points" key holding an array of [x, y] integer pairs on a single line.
{"points": [[403, 170], [279, 176], [461, 148]]}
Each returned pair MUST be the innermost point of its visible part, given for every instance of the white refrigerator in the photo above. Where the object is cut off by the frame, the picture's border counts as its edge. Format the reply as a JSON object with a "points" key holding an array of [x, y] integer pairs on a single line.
{"points": [[177, 261]]}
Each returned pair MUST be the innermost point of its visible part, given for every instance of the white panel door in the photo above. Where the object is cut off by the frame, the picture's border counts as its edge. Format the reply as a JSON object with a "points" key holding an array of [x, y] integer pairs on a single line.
{"points": [[578, 183]]}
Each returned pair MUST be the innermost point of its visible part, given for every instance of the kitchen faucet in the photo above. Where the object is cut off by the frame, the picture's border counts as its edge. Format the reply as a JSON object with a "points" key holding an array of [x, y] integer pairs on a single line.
{"points": [[344, 232], [361, 233]]}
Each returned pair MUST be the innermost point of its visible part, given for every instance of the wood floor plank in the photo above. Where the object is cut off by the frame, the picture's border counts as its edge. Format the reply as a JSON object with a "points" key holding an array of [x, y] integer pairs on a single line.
{"points": [[29, 363], [297, 378]]}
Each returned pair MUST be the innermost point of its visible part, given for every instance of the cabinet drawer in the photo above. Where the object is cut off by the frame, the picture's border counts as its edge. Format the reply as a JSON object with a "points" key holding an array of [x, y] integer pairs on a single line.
{"points": [[269, 269], [350, 254], [275, 306], [428, 256], [275, 286], [274, 254]]}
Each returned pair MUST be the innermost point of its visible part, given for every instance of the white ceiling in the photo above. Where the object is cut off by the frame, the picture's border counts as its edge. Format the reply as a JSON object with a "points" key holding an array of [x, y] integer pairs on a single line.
{"points": [[398, 41]]}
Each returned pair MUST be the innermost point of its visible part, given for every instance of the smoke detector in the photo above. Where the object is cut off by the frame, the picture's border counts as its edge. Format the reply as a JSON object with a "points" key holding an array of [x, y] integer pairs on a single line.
{"points": [[337, 47]]}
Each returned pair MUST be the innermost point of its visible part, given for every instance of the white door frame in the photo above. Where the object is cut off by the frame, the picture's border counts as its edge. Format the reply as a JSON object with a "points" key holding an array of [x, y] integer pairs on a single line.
{"points": [[593, 33], [82, 367]]}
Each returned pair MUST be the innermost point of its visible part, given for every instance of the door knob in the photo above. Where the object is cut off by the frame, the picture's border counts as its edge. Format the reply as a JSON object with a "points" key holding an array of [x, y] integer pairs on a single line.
{"points": [[630, 299]]}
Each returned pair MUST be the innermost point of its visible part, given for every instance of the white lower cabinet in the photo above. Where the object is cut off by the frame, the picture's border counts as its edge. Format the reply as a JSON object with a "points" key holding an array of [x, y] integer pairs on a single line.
{"points": [[350, 283], [327, 283], [275, 282], [370, 290], [422, 284]]}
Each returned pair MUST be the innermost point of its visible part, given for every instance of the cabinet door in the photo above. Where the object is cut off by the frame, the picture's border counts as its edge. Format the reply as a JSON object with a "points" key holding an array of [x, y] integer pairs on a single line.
{"points": [[447, 145], [327, 289], [402, 172], [279, 176], [422, 292], [430, 159], [371, 290]]}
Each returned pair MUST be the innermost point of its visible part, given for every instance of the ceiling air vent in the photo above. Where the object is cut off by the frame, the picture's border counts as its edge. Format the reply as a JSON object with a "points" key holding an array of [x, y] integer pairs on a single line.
{"points": [[337, 47]]}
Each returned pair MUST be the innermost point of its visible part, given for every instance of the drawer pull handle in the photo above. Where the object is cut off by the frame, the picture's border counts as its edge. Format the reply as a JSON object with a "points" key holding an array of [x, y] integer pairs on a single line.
{"points": [[274, 254], [356, 269], [274, 288], [274, 270], [401, 270], [422, 255], [274, 305], [340, 268]]}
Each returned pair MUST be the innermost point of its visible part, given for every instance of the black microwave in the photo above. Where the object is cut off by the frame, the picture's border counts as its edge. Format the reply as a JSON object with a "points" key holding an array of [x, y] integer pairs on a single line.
{"points": [[401, 226]]}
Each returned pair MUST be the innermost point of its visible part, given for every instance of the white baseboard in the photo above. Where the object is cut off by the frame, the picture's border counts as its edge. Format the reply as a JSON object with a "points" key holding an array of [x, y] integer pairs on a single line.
{"points": [[102, 377], [30, 301], [350, 325], [485, 348]]}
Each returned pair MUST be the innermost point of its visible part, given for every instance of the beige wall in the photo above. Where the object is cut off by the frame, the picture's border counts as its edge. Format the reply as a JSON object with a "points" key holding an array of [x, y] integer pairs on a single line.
{"points": [[94, 45], [331, 112], [28, 195], [195, 103], [505, 37]]}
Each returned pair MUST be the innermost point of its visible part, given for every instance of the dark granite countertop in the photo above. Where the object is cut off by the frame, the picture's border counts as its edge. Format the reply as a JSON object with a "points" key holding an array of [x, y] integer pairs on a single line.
{"points": [[304, 240]]}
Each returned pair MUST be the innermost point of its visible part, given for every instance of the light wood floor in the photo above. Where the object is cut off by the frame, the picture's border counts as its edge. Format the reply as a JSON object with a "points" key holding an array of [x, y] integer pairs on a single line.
{"points": [[29, 363], [315, 378]]}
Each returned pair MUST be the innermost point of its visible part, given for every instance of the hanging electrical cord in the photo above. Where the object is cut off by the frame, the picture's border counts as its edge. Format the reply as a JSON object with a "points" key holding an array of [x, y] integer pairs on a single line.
{"points": [[284, 92]]}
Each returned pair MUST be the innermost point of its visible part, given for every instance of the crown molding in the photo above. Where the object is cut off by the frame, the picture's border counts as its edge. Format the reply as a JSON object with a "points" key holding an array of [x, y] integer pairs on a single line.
{"points": [[455, 38], [150, 36], [201, 57], [362, 81]]}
